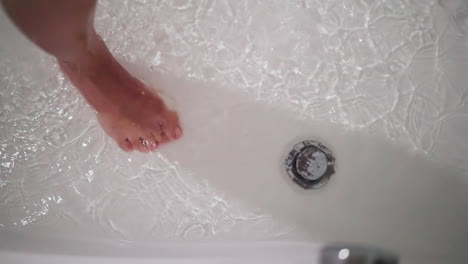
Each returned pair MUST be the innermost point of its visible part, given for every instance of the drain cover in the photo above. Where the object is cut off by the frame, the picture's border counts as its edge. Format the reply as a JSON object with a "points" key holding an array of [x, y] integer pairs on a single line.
{"points": [[310, 164]]}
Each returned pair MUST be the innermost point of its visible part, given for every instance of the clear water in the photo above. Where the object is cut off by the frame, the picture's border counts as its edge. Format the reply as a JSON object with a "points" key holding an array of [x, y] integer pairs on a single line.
{"points": [[391, 68]]}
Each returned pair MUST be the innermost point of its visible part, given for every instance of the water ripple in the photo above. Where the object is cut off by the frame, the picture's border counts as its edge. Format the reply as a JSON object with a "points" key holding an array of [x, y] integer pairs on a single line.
{"points": [[387, 66]]}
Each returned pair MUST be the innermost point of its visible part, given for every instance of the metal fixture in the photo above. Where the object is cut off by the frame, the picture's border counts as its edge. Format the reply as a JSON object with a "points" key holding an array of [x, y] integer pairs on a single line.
{"points": [[356, 254], [310, 164]]}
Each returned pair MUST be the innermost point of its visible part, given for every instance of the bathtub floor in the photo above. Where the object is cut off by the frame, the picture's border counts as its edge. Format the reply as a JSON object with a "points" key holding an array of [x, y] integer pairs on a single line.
{"points": [[390, 70]]}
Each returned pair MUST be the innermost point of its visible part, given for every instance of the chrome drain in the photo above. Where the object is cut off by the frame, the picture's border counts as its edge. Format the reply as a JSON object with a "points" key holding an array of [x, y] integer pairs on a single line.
{"points": [[310, 164]]}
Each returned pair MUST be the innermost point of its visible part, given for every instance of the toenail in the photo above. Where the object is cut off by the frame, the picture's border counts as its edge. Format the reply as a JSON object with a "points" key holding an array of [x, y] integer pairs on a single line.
{"points": [[153, 146], [143, 142]]}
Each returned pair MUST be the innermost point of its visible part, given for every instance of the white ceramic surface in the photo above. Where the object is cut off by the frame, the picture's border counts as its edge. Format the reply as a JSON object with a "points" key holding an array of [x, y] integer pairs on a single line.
{"points": [[382, 83]]}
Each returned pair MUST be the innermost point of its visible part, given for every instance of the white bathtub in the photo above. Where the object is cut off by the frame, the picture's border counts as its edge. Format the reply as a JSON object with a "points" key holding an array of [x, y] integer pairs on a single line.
{"points": [[381, 83]]}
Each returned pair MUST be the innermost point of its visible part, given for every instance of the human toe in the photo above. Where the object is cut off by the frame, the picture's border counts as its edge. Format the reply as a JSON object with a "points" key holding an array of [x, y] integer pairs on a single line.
{"points": [[125, 144]]}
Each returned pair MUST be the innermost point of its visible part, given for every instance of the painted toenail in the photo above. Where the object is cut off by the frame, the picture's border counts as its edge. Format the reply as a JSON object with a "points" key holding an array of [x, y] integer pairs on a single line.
{"points": [[144, 142], [153, 146]]}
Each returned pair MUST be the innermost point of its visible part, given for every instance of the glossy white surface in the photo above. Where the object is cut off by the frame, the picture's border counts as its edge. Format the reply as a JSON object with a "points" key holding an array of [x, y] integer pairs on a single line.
{"points": [[381, 83]]}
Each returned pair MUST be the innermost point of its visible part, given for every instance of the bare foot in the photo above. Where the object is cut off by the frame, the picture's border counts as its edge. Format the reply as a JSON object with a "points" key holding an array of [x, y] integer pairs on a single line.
{"points": [[129, 112]]}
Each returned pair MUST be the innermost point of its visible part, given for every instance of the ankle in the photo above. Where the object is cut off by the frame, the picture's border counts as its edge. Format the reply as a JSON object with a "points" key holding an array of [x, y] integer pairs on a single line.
{"points": [[85, 53]]}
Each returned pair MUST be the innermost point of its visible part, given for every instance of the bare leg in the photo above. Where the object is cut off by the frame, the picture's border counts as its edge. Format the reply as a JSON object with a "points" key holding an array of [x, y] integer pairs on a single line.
{"points": [[128, 111]]}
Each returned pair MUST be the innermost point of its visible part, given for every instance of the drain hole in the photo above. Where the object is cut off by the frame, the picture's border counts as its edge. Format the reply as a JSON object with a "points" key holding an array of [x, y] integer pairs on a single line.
{"points": [[310, 164]]}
